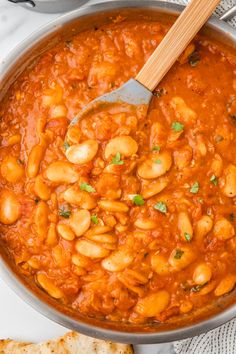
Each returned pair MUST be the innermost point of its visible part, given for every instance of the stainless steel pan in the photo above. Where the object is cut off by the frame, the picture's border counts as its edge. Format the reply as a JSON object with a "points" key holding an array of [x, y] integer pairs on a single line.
{"points": [[50, 6], [26, 53]]}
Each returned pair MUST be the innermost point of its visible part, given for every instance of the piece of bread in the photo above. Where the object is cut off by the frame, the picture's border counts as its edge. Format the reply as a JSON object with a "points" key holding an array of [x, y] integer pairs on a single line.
{"points": [[70, 343]]}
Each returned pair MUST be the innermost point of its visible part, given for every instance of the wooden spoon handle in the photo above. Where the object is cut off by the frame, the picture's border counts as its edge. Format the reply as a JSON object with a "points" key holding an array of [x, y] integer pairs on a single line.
{"points": [[176, 40]]}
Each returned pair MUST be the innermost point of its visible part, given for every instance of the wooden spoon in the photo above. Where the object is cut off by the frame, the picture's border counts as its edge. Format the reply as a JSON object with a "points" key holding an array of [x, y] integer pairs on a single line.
{"points": [[139, 90]]}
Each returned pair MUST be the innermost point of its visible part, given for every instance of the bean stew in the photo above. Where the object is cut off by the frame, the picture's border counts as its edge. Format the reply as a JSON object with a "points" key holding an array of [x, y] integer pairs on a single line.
{"points": [[129, 215]]}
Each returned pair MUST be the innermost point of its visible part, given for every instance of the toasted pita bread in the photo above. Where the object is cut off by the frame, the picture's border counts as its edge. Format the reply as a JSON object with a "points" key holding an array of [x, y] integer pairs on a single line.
{"points": [[70, 343]]}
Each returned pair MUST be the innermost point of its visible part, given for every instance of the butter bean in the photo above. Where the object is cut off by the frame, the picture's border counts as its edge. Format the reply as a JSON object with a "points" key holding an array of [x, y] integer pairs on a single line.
{"points": [[91, 249], [123, 144], [202, 274], [61, 172], [118, 260], [226, 285], [113, 206], [229, 181], [48, 286], [153, 304], [9, 207], [80, 198], [80, 222], [155, 166], [41, 189], [11, 169], [223, 229], [82, 153]]}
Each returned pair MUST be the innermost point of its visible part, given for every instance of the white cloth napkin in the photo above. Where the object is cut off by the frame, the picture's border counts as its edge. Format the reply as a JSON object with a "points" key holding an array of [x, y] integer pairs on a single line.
{"points": [[223, 339]]}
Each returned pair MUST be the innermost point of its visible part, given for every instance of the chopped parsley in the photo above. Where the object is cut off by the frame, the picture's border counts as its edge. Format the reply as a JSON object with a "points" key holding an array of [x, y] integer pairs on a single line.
{"points": [[66, 145], [187, 287], [177, 126], [214, 180], [178, 253], [64, 213], [94, 219], [68, 43], [138, 199], [86, 187], [232, 217], [20, 162], [159, 92], [195, 188], [196, 288], [233, 118], [160, 206], [219, 138], [187, 236], [194, 59], [156, 148], [158, 161], [116, 160]]}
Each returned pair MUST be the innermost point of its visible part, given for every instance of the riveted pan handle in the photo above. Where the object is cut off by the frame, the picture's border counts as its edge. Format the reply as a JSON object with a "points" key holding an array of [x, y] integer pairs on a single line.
{"points": [[229, 14]]}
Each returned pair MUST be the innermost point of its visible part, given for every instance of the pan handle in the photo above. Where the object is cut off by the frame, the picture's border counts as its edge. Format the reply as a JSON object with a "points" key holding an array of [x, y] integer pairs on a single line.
{"points": [[229, 14], [28, 2]]}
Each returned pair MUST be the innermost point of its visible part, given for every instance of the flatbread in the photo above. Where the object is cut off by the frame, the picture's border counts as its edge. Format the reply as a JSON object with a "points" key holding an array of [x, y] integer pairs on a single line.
{"points": [[70, 343]]}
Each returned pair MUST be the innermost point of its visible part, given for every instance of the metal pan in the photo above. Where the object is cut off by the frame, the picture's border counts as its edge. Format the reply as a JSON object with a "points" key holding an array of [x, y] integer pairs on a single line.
{"points": [[50, 6], [24, 54]]}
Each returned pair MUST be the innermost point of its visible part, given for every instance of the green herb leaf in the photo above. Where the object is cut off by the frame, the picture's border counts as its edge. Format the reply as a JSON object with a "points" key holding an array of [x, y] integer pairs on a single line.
{"points": [[195, 188], [138, 200], [233, 118], [159, 92], [187, 237], [116, 160], [197, 288], [66, 145], [94, 219], [177, 126], [160, 206], [194, 59], [214, 180], [64, 213], [219, 138], [178, 253], [156, 148], [232, 217], [86, 187], [20, 162], [158, 161], [68, 43]]}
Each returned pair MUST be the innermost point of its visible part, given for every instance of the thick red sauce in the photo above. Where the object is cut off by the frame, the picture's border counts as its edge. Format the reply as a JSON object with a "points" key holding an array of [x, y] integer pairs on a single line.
{"points": [[132, 219]]}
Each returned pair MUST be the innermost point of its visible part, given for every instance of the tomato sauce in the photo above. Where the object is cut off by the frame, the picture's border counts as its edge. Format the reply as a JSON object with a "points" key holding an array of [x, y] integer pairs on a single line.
{"points": [[130, 215]]}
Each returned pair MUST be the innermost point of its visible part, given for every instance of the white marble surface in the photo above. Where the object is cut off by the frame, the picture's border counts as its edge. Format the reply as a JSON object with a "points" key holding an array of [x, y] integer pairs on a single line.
{"points": [[17, 319]]}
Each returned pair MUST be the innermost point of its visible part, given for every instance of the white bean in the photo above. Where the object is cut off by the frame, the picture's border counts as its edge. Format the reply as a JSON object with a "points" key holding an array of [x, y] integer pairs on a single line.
{"points": [[123, 144], [91, 249], [9, 207], [118, 260], [80, 222], [61, 172], [11, 169], [80, 198], [223, 229], [82, 153], [153, 304], [155, 166]]}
